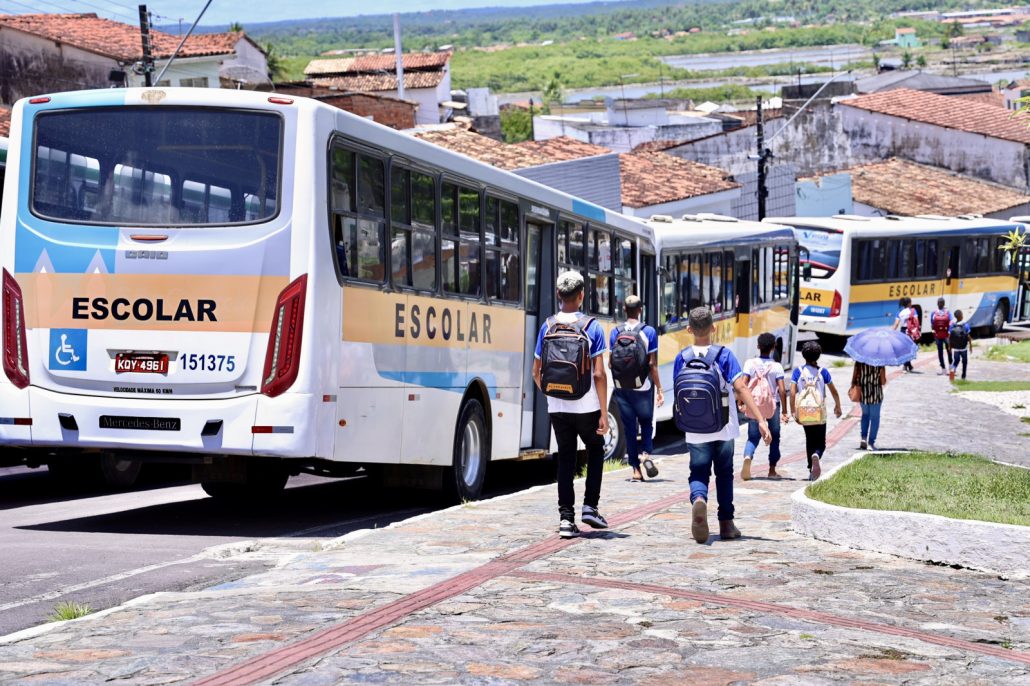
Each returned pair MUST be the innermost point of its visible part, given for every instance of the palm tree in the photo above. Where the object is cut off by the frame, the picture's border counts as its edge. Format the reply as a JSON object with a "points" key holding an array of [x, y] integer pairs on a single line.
{"points": [[235, 27], [274, 63]]}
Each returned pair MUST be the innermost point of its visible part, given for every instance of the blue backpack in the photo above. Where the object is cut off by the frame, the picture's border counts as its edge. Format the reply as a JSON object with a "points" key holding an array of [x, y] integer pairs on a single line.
{"points": [[701, 405]]}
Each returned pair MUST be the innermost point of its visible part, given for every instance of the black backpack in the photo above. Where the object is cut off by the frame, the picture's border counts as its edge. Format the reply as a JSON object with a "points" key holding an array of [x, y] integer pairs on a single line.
{"points": [[958, 337], [565, 359], [629, 361]]}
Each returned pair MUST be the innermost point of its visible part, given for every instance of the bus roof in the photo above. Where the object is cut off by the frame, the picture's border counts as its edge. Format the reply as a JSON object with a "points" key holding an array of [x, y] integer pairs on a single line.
{"points": [[872, 227], [712, 230], [360, 129]]}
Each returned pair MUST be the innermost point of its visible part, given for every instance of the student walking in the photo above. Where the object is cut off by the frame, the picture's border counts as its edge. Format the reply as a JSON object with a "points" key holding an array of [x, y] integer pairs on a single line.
{"points": [[958, 338], [634, 364], [941, 321], [870, 381], [764, 378], [808, 386], [908, 321], [569, 369], [704, 376]]}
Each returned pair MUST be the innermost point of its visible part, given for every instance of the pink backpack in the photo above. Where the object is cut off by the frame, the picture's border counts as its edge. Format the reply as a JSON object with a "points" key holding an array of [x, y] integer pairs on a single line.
{"points": [[762, 392]]}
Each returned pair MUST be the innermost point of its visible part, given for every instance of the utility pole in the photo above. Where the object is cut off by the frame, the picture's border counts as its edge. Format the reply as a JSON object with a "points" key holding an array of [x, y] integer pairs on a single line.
{"points": [[763, 156], [148, 54], [398, 51]]}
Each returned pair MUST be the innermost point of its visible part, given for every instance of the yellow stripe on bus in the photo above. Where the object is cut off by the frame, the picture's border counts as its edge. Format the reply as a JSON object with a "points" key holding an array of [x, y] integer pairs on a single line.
{"points": [[371, 316], [877, 292], [725, 332], [151, 302]]}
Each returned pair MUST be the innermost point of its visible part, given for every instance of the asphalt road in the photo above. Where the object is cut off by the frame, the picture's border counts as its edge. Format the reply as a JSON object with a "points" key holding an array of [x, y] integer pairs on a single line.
{"points": [[60, 543]]}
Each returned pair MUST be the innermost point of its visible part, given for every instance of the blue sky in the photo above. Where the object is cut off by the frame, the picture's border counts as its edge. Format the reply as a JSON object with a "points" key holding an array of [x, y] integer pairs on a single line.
{"points": [[255, 11]]}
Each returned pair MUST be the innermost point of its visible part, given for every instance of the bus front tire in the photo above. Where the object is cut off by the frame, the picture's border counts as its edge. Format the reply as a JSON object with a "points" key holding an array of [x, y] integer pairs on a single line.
{"points": [[615, 439], [464, 479]]}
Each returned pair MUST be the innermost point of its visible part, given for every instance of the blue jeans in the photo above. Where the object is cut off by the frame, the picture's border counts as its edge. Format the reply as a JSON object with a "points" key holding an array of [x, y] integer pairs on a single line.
{"points": [[754, 437], [703, 456], [963, 356], [870, 421], [636, 407]]}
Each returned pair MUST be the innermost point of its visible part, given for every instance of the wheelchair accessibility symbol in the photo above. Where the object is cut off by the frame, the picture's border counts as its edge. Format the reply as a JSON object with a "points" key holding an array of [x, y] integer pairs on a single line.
{"points": [[68, 349]]}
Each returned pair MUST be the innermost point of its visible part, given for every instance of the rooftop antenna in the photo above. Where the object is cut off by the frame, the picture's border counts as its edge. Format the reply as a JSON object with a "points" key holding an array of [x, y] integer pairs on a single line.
{"points": [[182, 42]]}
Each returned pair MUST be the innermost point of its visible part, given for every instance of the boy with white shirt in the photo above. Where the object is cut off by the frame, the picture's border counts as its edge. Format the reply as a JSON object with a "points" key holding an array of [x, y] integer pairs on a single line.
{"points": [[774, 374], [714, 449], [581, 418]]}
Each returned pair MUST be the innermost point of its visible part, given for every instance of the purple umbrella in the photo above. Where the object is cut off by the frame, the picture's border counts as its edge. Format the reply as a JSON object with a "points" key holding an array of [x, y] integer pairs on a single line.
{"points": [[881, 347]]}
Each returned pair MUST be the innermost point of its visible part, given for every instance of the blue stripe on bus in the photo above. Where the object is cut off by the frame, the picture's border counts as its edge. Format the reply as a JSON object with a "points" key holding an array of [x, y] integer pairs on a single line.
{"points": [[448, 381], [588, 210]]}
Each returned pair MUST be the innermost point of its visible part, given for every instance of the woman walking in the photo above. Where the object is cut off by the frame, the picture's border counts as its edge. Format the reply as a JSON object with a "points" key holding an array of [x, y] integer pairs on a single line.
{"points": [[869, 380]]}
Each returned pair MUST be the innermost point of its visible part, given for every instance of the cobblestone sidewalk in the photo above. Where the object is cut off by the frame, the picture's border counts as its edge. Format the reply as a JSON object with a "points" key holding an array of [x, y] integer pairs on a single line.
{"points": [[487, 594]]}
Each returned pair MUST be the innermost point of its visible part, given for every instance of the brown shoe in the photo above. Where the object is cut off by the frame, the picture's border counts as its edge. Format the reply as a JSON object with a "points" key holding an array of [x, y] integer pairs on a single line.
{"points": [[728, 530], [699, 524]]}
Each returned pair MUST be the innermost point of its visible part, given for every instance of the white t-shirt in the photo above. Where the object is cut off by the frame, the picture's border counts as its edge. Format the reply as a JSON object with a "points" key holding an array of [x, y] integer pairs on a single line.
{"points": [[731, 431], [903, 317], [774, 373]]}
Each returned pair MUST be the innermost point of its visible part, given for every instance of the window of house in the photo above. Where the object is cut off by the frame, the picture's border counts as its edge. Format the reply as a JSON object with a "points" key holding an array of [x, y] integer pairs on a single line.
{"points": [[195, 82], [358, 190]]}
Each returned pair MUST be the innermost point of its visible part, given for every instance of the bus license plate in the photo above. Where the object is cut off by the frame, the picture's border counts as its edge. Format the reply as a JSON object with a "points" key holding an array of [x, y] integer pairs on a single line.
{"points": [[138, 363]]}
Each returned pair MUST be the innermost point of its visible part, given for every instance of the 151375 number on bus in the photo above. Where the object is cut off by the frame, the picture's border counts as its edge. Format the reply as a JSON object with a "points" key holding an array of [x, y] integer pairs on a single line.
{"points": [[208, 363]]}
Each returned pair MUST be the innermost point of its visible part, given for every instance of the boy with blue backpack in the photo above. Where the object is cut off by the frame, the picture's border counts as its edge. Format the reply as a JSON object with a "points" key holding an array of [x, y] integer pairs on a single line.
{"points": [[704, 375]]}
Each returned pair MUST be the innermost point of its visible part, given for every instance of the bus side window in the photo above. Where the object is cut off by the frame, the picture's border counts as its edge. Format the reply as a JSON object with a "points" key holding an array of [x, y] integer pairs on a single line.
{"points": [[359, 226]]}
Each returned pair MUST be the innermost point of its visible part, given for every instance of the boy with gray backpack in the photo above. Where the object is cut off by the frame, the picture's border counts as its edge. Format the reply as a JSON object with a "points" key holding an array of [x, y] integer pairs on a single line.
{"points": [[704, 376]]}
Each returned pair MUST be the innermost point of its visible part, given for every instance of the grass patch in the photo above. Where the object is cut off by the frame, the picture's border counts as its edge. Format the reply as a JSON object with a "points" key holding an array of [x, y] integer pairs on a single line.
{"points": [[65, 611], [956, 486], [1025, 420], [615, 465], [992, 386], [1013, 352]]}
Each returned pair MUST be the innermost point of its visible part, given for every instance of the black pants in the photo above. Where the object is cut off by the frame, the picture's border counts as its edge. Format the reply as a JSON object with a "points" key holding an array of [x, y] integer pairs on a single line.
{"points": [[815, 441], [942, 345], [568, 427]]}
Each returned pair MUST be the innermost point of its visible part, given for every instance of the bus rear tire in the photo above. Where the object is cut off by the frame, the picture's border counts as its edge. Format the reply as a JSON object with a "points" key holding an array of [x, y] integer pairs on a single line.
{"points": [[615, 439], [998, 318], [264, 480], [465, 477]]}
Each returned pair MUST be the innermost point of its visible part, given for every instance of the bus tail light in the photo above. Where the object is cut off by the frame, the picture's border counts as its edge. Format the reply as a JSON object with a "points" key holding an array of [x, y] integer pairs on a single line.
{"points": [[16, 352], [835, 307], [282, 360]]}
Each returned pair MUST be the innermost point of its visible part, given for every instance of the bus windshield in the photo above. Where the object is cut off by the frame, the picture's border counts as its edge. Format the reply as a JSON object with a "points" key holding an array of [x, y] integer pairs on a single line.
{"points": [[156, 166], [823, 248]]}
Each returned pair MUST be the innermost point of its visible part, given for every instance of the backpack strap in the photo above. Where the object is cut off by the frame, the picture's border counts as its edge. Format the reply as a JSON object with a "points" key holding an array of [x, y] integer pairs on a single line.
{"points": [[712, 356], [551, 322]]}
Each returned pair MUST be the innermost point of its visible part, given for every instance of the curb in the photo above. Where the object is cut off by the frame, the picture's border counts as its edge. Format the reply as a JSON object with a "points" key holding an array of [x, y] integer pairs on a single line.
{"points": [[984, 546]]}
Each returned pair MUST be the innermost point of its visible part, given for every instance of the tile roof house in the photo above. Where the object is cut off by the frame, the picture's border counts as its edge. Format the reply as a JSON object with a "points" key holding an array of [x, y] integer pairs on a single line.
{"points": [[427, 78], [563, 148], [900, 187], [56, 52], [5, 122], [958, 134], [658, 183], [392, 112]]}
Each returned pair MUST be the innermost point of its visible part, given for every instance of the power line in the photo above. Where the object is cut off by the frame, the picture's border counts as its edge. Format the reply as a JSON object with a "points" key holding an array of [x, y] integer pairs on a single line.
{"points": [[106, 11]]}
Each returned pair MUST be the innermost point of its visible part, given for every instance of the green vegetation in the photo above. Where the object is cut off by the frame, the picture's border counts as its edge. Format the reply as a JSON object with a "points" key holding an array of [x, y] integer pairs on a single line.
{"points": [[615, 465], [516, 125], [730, 92], [992, 386], [957, 486], [67, 610], [1013, 352]]}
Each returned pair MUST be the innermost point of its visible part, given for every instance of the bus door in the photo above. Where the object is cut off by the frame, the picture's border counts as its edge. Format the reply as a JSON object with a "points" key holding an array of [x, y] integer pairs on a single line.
{"points": [[742, 296], [951, 258], [540, 297], [1022, 312], [649, 290]]}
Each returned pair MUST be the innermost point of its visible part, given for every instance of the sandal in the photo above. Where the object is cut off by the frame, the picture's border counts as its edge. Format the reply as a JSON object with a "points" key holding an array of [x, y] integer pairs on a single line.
{"points": [[649, 467]]}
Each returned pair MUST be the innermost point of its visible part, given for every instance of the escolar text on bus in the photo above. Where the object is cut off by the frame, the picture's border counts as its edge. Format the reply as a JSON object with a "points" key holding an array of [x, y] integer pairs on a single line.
{"points": [[432, 323], [913, 289], [144, 309]]}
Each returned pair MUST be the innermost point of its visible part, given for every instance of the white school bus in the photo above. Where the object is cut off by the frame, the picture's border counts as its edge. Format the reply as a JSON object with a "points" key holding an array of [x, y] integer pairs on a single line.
{"points": [[262, 285], [746, 272]]}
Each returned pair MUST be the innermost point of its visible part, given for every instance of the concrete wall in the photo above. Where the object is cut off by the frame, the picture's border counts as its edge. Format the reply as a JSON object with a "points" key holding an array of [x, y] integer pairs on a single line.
{"points": [[651, 116], [879, 136], [30, 65], [397, 114], [623, 138], [594, 179], [185, 71], [824, 196]]}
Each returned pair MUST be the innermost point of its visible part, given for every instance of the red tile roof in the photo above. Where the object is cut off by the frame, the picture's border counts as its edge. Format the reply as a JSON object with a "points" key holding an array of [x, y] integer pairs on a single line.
{"points": [[945, 111], [994, 98], [5, 121], [563, 148], [653, 178], [366, 64], [372, 83], [115, 39], [906, 188], [484, 149]]}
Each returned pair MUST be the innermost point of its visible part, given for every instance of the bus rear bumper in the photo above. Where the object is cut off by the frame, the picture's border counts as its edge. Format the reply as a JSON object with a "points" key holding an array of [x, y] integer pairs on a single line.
{"points": [[224, 426]]}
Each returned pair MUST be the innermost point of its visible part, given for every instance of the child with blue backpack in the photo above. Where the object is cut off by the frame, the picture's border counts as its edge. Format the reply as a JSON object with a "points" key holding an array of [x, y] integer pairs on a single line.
{"points": [[704, 376]]}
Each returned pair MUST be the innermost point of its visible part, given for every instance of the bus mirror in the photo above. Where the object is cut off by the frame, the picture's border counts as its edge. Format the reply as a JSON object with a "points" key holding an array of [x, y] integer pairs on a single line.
{"points": [[806, 271]]}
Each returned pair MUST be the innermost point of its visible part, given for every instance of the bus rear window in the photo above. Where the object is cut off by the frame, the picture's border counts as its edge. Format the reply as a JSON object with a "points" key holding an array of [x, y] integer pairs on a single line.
{"points": [[156, 166], [823, 250]]}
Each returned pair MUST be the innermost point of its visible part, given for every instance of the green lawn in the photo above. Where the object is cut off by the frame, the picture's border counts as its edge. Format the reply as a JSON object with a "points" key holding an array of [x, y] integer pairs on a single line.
{"points": [[957, 486], [1013, 352], [993, 386]]}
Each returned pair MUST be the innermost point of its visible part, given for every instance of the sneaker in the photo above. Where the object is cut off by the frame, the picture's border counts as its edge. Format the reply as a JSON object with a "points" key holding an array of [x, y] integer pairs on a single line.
{"points": [[567, 529], [862, 445], [728, 530], [699, 521], [592, 517], [871, 446], [816, 469], [745, 471], [941, 372]]}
